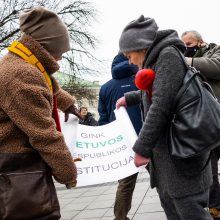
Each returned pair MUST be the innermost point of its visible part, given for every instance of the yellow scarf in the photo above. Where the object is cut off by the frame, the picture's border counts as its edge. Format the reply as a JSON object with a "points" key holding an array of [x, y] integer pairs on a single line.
{"points": [[19, 49], [22, 51]]}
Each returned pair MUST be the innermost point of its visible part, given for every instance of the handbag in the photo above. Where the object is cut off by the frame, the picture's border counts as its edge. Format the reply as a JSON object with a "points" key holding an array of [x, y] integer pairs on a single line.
{"points": [[195, 123], [27, 190]]}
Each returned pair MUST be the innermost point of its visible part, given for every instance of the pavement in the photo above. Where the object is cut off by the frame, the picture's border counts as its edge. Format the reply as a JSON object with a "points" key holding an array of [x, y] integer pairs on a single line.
{"points": [[96, 202]]}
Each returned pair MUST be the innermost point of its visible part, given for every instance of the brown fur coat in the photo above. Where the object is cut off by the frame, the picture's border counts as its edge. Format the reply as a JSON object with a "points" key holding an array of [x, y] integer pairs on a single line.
{"points": [[26, 122]]}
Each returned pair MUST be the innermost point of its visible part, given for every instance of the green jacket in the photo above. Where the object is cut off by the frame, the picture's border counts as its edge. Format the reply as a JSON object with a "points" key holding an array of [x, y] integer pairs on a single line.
{"points": [[207, 61]]}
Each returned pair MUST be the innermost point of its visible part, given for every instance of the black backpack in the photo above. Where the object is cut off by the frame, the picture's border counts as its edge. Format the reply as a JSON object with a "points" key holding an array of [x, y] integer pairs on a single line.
{"points": [[195, 125]]}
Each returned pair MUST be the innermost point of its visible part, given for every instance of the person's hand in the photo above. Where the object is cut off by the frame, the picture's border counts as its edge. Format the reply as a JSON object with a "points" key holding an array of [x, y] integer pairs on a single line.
{"points": [[75, 159], [189, 60], [72, 110], [73, 183], [121, 102], [140, 160]]}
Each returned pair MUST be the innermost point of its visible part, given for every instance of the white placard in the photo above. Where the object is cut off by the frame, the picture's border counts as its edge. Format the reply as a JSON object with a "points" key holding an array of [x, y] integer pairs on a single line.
{"points": [[106, 150]]}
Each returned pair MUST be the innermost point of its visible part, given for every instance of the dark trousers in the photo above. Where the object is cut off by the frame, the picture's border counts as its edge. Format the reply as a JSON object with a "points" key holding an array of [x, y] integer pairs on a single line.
{"points": [[187, 208], [124, 197], [214, 200]]}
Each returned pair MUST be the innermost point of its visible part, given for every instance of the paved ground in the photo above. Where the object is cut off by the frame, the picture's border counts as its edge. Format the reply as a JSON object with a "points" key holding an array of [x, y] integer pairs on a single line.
{"points": [[96, 202]]}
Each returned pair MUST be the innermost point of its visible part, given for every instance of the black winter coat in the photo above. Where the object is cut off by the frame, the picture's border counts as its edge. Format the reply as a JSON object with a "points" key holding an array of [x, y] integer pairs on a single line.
{"points": [[181, 177], [89, 120]]}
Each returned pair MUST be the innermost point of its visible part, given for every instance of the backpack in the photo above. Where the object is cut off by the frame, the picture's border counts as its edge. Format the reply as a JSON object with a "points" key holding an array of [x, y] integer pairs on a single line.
{"points": [[195, 123]]}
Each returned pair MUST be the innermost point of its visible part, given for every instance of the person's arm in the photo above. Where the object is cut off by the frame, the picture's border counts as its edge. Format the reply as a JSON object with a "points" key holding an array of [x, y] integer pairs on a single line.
{"points": [[209, 65], [133, 98], [129, 99], [29, 106], [65, 101]]}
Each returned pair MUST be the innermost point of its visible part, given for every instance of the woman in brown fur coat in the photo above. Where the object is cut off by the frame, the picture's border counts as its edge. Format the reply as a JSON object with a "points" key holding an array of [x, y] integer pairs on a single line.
{"points": [[32, 149]]}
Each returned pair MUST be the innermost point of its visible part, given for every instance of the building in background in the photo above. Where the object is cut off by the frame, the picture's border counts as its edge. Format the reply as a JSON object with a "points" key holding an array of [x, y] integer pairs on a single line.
{"points": [[85, 91]]}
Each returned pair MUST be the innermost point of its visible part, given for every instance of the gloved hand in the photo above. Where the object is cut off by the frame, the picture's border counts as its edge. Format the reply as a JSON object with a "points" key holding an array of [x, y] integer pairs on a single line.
{"points": [[72, 110], [73, 183], [77, 159]]}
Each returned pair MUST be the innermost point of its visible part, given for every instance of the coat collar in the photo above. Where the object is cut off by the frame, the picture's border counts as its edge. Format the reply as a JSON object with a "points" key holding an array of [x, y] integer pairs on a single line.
{"points": [[47, 60]]}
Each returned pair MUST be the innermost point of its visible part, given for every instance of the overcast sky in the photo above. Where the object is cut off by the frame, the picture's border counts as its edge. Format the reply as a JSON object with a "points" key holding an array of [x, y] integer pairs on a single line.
{"points": [[200, 15]]}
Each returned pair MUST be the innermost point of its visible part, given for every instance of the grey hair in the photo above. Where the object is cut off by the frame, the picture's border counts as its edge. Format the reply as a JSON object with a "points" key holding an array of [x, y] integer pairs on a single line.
{"points": [[195, 34]]}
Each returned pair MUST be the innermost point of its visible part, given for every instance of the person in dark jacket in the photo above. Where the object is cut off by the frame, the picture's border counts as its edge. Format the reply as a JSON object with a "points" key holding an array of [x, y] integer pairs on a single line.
{"points": [[206, 58], [182, 185], [122, 81], [86, 117]]}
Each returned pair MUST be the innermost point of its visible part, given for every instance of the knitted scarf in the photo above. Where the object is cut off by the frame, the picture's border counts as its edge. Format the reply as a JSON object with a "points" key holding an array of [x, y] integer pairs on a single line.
{"points": [[22, 51]]}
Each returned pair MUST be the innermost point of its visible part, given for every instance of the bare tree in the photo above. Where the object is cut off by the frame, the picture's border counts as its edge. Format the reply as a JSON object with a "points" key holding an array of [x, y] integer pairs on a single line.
{"points": [[78, 15], [79, 90]]}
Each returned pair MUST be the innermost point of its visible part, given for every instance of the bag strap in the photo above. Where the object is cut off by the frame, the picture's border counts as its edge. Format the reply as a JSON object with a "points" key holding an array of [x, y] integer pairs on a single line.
{"points": [[186, 81], [190, 75]]}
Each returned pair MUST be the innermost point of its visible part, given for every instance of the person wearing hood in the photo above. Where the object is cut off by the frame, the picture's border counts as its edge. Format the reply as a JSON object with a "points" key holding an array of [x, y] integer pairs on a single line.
{"points": [[183, 186], [122, 81], [32, 147], [206, 58], [86, 117]]}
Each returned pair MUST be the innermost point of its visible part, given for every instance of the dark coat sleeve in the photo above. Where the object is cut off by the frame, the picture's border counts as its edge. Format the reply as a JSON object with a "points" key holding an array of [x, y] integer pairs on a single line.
{"points": [[209, 63], [133, 98]]}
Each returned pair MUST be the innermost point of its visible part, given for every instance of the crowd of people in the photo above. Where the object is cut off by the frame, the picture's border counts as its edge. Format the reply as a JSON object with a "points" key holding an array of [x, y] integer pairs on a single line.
{"points": [[33, 149]]}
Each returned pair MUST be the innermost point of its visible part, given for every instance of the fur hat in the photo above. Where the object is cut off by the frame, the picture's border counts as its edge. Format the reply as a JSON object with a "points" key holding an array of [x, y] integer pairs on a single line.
{"points": [[138, 34], [47, 28]]}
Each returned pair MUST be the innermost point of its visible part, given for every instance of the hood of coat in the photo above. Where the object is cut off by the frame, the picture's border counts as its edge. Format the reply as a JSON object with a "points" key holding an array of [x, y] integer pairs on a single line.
{"points": [[121, 68], [47, 60], [164, 39]]}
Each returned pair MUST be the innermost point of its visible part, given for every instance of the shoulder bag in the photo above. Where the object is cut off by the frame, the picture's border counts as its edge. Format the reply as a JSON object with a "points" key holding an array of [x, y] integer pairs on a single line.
{"points": [[195, 123], [27, 190]]}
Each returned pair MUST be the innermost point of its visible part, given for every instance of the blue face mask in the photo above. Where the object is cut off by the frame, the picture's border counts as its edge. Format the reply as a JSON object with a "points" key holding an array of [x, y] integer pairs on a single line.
{"points": [[191, 51]]}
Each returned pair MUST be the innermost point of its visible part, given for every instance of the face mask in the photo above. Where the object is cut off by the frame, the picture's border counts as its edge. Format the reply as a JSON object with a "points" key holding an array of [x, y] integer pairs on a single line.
{"points": [[190, 51]]}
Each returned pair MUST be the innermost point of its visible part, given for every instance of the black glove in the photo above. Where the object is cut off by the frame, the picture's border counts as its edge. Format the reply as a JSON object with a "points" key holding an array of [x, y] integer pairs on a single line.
{"points": [[72, 110]]}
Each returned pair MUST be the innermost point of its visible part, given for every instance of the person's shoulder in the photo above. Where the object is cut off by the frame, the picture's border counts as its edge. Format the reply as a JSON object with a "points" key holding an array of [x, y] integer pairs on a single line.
{"points": [[214, 47], [107, 86], [18, 70], [169, 50]]}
